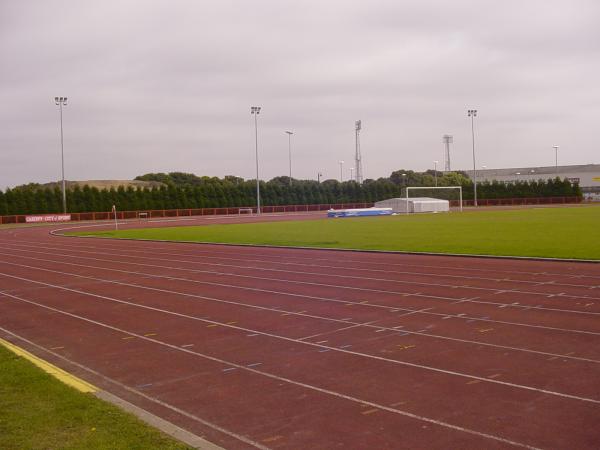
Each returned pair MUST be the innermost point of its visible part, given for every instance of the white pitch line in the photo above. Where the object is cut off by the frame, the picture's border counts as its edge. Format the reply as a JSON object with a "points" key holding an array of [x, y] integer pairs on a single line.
{"points": [[195, 296], [294, 340], [290, 381]]}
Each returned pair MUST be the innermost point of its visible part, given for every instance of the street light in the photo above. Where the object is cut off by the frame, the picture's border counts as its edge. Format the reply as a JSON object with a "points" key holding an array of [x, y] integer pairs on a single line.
{"points": [[255, 110], [341, 171], [435, 171], [472, 113], [60, 102], [289, 133], [556, 158]]}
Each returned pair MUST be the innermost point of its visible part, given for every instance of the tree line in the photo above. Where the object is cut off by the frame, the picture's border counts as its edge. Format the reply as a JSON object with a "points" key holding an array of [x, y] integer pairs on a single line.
{"points": [[181, 190]]}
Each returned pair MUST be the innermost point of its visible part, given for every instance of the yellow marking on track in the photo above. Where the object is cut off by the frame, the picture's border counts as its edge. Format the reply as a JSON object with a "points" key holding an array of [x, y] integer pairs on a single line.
{"points": [[496, 375], [150, 334], [273, 438], [405, 347], [65, 377], [212, 325], [485, 330], [370, 411], [473, 381], [56, 348], [128, 337]]}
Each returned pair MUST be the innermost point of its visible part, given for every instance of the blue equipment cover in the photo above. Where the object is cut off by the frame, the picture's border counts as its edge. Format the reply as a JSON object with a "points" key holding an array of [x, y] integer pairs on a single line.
{"points": [[362, 212]]}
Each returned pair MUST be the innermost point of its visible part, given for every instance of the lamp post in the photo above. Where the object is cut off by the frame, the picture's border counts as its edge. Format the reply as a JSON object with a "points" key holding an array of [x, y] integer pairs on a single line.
{"points": [[472, 113], [289, 133], [351, 173], [60, 102], [555, 158], [341, 171], [435, 172], [255, 110]]}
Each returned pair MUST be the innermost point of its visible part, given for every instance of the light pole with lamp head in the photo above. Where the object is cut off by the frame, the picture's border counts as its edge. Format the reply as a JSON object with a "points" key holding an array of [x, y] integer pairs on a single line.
{"points": [[255, 110], [60, 102], [472, 113], [289, 133]]}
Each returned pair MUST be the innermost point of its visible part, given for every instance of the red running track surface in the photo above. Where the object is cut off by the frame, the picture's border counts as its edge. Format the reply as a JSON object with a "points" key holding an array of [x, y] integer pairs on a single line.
{"points": [[287, 348]]}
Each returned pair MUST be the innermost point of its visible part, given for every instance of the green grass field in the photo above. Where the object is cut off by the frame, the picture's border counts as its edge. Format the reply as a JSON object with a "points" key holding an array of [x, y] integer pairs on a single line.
{"points": [[570, 232], [39, 412]]}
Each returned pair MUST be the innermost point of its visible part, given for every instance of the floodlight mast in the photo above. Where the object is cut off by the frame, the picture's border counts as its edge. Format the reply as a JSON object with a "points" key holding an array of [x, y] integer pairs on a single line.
{"points": [[556, 158], [60, 102], [447, 140], [255, 110], [358, 156], [289, 133], [341, 171], [472, 113]]}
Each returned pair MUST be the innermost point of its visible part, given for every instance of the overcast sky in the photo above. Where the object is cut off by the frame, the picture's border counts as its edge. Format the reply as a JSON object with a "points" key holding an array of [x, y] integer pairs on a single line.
{"points": [[159, 86]]}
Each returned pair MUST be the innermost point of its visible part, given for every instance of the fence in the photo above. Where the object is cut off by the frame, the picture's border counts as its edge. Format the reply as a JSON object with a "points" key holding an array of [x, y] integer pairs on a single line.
{"points": [[186, 212], [160, 213]]}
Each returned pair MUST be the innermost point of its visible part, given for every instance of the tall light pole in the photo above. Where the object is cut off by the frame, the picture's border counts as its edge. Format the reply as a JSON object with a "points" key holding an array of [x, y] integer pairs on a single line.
{"points": [[555, 159], [255, 110], [472, 113], [341, 171], [435, 171], [351, 173], [289, 133], [319, 175], [60, 102]]}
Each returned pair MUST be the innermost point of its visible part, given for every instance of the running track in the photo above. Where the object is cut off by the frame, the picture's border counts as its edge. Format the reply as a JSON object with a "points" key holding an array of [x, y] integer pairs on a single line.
{"points": [[276, 348]]}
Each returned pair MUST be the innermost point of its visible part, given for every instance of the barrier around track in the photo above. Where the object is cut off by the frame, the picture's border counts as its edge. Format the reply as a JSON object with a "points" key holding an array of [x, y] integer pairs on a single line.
{"points": [[187, 212]]}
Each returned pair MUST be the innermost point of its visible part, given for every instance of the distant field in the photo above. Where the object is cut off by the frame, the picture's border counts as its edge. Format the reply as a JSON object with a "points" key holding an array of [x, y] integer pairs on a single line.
{"points": [[540, 232]]}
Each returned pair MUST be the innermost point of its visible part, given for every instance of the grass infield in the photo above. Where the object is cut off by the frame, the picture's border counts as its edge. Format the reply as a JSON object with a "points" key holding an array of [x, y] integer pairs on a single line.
{"points": [[570, 232], [39, 412]]}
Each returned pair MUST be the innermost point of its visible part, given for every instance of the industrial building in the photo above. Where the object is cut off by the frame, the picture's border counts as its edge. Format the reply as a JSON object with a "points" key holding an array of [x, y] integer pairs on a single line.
{"points": [[587, 175]]}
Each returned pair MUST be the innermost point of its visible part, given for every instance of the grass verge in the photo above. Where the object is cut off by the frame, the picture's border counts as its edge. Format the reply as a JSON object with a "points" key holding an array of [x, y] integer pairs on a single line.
{"points": [[39, 412], [540, 232]]}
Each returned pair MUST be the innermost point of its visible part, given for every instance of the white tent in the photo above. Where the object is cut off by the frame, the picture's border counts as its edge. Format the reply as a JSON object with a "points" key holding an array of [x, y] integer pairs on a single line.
{"points": [[415, 205]]}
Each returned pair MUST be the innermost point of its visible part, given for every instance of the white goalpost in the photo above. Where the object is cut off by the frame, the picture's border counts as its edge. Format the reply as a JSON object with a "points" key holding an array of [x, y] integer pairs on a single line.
{"points": [[429, 188]]}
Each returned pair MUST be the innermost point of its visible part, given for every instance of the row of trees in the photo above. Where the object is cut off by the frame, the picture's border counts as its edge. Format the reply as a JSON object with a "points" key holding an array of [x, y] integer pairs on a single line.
{"points": [[181, 190]]}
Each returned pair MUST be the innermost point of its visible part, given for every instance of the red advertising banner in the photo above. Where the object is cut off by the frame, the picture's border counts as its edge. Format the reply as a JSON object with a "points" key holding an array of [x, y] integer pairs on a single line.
{"points": [[48, 218]]}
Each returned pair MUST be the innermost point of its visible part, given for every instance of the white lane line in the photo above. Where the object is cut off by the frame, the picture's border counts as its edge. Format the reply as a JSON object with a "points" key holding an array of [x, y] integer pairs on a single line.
{"points": [[287, 380], [201, 297], [139, 393], [320, 266], [451, 299], [276, 258], [308, 343], [354, 325], [388, 292]]}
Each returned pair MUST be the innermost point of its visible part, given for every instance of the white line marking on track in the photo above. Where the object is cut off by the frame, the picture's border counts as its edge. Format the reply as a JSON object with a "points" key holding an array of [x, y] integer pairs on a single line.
{"points": [[200, 297], [271, 335], [293, 382]]}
